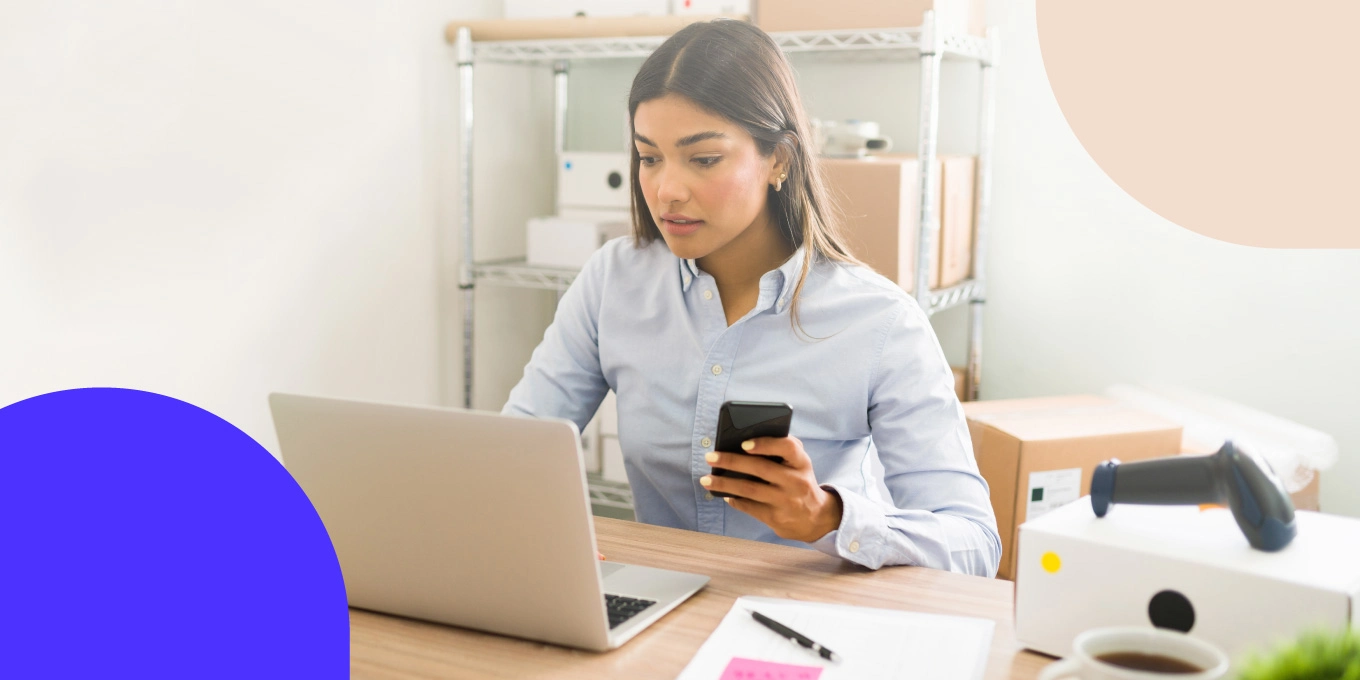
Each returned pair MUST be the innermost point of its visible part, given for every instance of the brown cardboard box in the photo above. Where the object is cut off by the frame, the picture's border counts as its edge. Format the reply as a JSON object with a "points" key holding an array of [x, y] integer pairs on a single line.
{"points": [[960, 382], [955, 16], [877, 199], [1307, 497], [1035, 453], [958, 178]]}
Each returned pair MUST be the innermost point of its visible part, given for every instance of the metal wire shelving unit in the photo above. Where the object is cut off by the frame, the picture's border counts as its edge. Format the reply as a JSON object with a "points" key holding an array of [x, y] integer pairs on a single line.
{"points": [[925, 43]]}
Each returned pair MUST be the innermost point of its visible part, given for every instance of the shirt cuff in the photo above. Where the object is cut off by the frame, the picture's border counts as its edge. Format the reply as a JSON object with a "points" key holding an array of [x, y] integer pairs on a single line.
{"points": [[860, 536]]}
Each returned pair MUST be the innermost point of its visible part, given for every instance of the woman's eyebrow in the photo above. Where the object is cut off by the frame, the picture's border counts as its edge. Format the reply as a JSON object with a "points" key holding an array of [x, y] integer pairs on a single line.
{"points": [[696, 138], [684, 141]]}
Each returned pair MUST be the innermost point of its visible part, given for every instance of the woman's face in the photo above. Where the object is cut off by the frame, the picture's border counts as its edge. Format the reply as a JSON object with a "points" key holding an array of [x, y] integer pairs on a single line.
{"points": [[702, 175]]}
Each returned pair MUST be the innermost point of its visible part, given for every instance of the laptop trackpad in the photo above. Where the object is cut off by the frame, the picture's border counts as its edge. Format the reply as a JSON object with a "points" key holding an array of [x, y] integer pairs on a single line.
{"points": [[607, 568]]}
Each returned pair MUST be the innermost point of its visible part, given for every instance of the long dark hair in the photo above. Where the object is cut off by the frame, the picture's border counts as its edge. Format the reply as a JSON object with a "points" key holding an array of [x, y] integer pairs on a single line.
{"points": [[736, 71]]}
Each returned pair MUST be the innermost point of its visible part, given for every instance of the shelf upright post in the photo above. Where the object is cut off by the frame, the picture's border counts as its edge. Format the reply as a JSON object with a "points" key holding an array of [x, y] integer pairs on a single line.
{"points": [[928, 133], [561, 70], [982, 213], [466, 280]]}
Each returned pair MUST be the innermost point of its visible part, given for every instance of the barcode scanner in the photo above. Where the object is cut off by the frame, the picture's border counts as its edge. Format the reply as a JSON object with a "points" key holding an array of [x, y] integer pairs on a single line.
{"points": [[1233, 477]]}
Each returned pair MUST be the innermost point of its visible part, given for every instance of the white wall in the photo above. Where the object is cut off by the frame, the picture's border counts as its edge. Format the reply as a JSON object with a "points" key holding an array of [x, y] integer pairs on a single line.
{"points": [[219, 199]]}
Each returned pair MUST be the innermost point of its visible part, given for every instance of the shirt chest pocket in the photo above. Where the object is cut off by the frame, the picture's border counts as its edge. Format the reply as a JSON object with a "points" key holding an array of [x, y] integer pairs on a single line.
{"points": [[824, 407]]}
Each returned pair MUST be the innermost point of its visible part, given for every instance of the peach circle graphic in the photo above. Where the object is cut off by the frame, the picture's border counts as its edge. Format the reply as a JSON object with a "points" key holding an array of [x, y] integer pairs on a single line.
{"points": [[1236, 119]]}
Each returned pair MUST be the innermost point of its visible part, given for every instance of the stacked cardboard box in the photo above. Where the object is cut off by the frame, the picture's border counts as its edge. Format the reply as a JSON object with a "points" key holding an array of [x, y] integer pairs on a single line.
{"points": [[877, 197]]}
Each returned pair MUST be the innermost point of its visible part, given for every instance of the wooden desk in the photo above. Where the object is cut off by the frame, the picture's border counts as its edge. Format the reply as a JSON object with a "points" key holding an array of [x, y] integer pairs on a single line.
{"points": [[390, 647]]}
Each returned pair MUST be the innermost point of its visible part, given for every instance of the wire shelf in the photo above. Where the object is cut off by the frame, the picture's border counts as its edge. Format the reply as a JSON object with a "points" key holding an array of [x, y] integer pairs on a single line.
{"points": [[515, 272], [954, 296], [890, 43], [608, 493]]}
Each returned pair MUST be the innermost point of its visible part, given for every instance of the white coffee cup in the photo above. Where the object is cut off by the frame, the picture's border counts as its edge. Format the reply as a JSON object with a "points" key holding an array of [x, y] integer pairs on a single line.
{"points": [[1084, 663]]}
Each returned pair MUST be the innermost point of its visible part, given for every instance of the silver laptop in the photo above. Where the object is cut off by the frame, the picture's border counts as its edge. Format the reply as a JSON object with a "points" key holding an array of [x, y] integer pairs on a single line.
{"points": [[467, 518]]}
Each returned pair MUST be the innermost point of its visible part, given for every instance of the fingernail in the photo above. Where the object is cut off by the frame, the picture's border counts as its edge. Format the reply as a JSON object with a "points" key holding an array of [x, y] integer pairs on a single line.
{"points": [[748, 445], [711, 456], [705, 480]]}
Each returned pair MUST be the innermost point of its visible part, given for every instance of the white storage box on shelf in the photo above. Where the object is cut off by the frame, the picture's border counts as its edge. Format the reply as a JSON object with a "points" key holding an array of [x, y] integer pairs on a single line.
{"points": [[593, 179], [605, 424], [1185, 568], [708, 7], [569, 243], [593, 207], [554, 9]]}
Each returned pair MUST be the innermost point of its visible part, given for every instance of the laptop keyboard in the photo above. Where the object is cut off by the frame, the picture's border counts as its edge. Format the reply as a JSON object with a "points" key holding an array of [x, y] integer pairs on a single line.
{"points": [[622, 608]]}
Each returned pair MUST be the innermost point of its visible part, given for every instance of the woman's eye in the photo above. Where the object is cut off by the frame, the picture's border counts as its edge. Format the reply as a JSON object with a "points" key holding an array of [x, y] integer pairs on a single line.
{"points": [[706, 161], [647, 160]]}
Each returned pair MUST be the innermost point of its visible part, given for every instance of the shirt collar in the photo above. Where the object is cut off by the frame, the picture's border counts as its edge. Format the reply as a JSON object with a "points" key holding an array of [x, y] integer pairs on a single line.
{"points": [[784, 279], [689, 270]]}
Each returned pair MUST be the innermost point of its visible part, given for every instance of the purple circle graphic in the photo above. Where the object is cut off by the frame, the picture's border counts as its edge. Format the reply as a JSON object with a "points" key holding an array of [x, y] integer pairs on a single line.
{"points": [[146, 537]]}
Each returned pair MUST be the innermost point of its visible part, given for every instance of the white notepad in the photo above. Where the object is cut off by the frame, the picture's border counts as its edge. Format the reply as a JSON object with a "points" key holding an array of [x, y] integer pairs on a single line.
{"points": [[871, 643]]}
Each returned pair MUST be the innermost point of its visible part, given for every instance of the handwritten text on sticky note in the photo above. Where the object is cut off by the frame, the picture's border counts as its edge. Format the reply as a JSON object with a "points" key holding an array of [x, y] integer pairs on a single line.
{"points": [[750, 669]]}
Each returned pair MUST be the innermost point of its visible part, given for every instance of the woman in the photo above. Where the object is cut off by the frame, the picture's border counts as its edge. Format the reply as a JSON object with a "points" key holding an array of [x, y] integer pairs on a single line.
{"points": [[737, 286]]}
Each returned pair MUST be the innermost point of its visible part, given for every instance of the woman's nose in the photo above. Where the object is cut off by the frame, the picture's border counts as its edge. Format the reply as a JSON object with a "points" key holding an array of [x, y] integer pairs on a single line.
{"points": [[670, 187]]}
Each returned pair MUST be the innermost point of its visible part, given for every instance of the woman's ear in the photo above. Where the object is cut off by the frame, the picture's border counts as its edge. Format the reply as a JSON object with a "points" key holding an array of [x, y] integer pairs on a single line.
{"points": [[783, 157]]}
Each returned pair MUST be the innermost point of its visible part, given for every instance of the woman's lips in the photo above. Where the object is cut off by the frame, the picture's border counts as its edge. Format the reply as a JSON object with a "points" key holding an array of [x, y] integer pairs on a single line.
{"points": [[678, 229]]}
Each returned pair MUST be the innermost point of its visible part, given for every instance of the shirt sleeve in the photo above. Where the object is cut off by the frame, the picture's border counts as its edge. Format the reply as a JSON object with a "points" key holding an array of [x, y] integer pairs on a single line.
{"points": [[941, 516], [563, 378]]}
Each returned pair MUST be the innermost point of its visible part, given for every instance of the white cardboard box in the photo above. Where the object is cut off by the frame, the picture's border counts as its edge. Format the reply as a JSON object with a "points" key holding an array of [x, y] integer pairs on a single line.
{"points": [[605, 423], [549, 9], [593, 179], [597, 215], [568, 243], [1075, 572], [684, 7]]}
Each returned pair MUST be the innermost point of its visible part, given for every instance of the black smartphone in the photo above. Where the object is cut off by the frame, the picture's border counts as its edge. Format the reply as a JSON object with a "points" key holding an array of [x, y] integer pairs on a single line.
{"points": [[742, 420]]}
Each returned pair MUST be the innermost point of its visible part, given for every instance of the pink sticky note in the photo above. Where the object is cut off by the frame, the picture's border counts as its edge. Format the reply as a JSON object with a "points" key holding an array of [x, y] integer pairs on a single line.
{"points": [[750, 669]]}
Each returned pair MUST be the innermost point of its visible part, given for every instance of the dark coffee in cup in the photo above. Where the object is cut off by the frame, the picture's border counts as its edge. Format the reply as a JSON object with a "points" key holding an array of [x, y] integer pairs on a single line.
{"points": [[1154, 663]]}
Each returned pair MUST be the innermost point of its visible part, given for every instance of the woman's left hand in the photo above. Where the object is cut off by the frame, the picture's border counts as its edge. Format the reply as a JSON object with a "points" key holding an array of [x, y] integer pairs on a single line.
{"points": [[792, 504]]}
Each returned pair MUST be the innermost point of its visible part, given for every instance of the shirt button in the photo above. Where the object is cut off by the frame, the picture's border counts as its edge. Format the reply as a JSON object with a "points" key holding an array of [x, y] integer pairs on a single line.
{"points": [[717, 370], [708, 295], [708, 496], [687, 280], [705, 442], [854, 546]]}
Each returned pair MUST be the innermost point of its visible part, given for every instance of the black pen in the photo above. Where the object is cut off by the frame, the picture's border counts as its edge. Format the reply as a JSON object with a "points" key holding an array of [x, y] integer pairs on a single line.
{"points": [[793, 635]]}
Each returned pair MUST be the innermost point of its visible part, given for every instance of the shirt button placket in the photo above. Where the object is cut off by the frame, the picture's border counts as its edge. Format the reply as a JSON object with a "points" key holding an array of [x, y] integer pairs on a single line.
{"points": [[711, 389]]}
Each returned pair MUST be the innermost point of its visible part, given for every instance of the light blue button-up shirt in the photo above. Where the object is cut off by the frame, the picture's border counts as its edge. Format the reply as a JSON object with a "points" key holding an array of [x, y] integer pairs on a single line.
{"points": [[872, 395]]}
